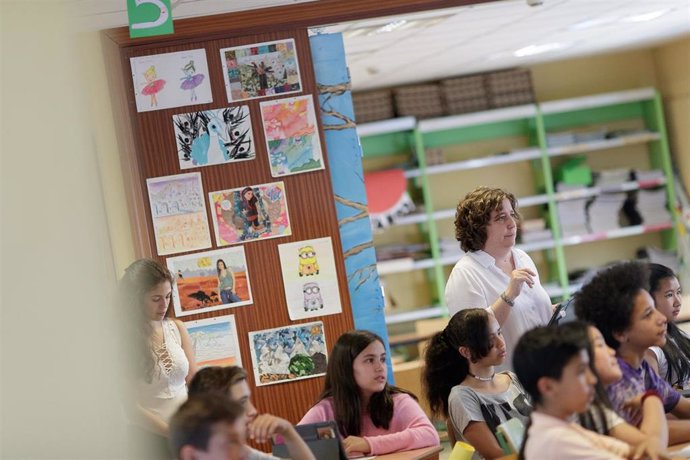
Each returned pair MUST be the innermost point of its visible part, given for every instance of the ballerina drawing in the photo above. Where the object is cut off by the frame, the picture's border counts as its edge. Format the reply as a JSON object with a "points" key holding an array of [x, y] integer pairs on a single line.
{"points": [[190, 80], [153, 85]]}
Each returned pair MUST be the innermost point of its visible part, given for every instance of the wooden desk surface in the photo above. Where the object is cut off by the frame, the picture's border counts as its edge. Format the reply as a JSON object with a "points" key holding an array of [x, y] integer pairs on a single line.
{"points": [[427, 453], [676, 447]]}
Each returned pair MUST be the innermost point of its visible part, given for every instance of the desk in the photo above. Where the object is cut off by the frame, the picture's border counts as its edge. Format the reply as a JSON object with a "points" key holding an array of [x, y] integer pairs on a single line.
{"points": [[678, 447], [427, 453]]}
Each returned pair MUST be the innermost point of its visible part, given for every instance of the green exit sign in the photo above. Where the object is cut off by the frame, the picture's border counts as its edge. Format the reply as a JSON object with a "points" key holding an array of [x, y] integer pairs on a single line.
{"points": [[149, 17]]}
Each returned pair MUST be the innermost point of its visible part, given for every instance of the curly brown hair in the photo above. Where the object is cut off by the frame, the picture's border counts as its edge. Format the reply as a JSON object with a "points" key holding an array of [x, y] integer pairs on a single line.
{"points": [[474, 212]]}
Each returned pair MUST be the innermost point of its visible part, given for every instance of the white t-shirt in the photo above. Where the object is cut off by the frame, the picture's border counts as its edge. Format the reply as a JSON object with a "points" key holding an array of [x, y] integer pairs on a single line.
{"points": [[476, 281], [663, 364]]}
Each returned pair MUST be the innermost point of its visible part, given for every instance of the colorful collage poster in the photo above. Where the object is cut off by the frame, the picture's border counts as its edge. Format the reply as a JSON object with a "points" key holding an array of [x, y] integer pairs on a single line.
{"points": [[215, 341], [162, 81], [288, 353], [213, 137], [292, 136], [261, 70], [250, 213], [179, 216], [309, 278], [210, 281]]}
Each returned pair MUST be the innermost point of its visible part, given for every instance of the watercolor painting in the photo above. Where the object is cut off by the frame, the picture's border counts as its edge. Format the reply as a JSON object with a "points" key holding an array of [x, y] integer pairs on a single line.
{"points": [[210, 281], [261, 70], [179, 216], [288, 353], [309, 278], [215, 341], [250, 213], [163, 81], [292, 135], [213, 137]]}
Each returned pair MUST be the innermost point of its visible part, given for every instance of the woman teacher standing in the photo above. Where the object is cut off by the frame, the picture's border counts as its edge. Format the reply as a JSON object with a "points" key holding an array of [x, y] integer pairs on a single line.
{"points": [[494, 273]]}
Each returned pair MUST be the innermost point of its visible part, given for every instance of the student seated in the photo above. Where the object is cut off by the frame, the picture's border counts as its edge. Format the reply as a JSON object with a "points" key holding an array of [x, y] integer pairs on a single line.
{"points": [[553, 366], [652, 435], [231, 383], [616, 301], [373, 417], [462, 385], [671, 361]]}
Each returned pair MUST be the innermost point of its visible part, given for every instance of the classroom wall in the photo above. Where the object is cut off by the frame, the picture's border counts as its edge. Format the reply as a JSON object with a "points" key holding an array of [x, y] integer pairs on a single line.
{"points": [[59, 392], [672, 63]]}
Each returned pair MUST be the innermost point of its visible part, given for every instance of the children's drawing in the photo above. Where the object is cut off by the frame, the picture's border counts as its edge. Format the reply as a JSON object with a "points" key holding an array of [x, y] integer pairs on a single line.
{"points": [[260, 70], [191, 79], [310, 279], [153, 85], [288, 353], [210, 281], [250, 213], [212, 137], [179, 213], [215, 341], [154, 80], [292, 136]]}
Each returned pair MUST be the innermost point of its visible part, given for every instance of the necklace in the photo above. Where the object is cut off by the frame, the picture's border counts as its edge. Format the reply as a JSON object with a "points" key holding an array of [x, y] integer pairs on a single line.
{"points": [[482, 379]]}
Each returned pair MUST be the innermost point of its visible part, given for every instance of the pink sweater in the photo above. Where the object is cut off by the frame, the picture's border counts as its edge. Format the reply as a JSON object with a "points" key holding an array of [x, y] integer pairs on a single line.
{"points": [[409, 428]]}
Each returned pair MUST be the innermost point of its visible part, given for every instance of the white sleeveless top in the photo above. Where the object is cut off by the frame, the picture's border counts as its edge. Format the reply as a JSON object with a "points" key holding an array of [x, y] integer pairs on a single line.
{"points": [[167, 390]]}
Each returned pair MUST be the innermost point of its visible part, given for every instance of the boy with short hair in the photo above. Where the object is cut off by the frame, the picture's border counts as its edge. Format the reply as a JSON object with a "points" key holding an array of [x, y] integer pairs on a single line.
{"points": [[230, 383]]}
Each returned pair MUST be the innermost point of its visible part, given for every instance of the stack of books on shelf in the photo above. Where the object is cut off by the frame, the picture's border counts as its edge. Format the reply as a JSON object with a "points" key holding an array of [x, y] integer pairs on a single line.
{"points": [[571, 213], [604, 211], [651, 205], [450, 247], [399, 251], [534, 230], [649, 176]]}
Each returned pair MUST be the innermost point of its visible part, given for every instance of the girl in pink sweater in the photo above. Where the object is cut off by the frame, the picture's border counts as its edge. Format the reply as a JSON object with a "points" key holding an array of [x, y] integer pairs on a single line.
{"points": [[373, 417]]}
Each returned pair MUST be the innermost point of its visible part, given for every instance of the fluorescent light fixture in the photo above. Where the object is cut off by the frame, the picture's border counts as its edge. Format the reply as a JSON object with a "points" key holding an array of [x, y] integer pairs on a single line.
{"points": [[389, 27], [644, 17], [531, 50], [593, 22]]}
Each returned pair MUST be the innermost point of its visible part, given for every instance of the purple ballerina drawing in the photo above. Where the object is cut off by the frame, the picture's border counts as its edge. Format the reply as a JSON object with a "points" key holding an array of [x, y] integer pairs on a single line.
{"points": [[190, 81]]}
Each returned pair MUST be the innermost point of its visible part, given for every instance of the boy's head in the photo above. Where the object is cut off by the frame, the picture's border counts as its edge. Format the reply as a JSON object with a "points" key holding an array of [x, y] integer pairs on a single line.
{"points": [[209, 427], [553, 366], [616, 301], [229, 381]]}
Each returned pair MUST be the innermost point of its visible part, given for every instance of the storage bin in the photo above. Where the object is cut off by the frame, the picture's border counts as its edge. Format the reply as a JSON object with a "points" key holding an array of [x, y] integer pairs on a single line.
{"points": [[464, 94], [421, 101], [373, 106], [506, 88], [574, 171]]}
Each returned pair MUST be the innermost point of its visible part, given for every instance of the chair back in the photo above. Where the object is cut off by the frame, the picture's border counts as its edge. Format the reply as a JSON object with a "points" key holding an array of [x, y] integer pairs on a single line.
{"points": [[513, 431]]}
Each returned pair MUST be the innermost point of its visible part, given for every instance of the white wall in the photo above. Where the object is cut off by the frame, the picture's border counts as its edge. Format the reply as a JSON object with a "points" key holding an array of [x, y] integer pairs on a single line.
{"points": [[59, 369]]}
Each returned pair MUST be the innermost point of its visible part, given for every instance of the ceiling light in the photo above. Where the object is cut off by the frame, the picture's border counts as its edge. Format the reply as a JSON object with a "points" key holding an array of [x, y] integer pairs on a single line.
{"points": [[650, 16], [531, 50], [390, 27], [593, 22]]}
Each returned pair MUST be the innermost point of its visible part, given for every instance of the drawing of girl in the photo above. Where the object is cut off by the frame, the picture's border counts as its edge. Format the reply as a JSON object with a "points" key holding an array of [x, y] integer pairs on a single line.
{"points": [[153, 85], [226, 283], [190, 81], [262, 71], [249, 207]]}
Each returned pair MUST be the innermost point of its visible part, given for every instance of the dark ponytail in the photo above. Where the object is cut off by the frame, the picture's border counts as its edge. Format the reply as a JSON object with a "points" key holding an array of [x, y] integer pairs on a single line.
{"points": [[444, 366]]}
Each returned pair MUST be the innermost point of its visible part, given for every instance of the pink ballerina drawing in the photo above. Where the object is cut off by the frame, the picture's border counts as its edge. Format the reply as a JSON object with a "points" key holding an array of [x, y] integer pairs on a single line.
{"points": [[153, 85], [190, 81]]}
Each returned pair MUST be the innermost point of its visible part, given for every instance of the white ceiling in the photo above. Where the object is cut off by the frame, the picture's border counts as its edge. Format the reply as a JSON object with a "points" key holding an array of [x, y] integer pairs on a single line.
{"points": [[487, 36], [443, 43]]}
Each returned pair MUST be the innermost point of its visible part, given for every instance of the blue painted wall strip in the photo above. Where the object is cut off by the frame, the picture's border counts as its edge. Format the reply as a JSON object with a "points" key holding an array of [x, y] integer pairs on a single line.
{"points": [[345, 161]]}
